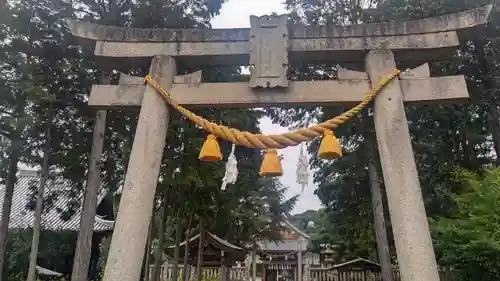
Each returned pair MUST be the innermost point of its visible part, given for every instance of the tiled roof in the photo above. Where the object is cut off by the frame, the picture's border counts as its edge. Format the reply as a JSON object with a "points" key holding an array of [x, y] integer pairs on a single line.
{"points": [[59, 198], [296, 229], [47, 272], [287, 244], [223, 244], [359, 261]]}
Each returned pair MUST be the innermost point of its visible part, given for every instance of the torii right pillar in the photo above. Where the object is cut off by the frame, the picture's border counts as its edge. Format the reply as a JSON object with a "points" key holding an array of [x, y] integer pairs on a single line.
{"points": [[410, 226]]}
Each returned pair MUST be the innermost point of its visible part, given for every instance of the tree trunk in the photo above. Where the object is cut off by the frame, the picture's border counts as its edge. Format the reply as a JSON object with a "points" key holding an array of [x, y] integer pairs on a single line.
{"points": [[84, 240], [148, 248], [15, 154], [177, 249], [494, 116], [379, 222], [377, 202], [185, 271], [199, 259], [95, 256], [161, 241], [470, 159], [39, 201], [254, 262]]}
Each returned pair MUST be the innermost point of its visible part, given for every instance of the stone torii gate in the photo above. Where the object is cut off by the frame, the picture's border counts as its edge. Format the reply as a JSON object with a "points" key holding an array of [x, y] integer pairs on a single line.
{"points": [[270, 47]]}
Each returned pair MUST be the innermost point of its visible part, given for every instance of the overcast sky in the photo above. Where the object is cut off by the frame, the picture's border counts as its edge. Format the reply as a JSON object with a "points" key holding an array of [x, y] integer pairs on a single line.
{"points": [[236, 14]]}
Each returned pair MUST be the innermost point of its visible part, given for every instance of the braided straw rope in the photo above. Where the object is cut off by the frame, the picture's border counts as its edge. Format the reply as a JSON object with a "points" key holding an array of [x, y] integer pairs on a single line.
{"points": [[261, 141]]}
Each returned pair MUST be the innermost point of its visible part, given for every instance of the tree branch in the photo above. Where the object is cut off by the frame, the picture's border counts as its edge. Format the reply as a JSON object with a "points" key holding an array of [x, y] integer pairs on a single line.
{"points": [[5, 134], [87, 12], [3, 111]]}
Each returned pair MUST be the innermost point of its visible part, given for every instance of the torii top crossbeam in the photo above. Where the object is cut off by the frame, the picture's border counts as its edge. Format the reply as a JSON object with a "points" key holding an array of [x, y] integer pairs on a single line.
{"points": [[270, 46], [302, 43]]}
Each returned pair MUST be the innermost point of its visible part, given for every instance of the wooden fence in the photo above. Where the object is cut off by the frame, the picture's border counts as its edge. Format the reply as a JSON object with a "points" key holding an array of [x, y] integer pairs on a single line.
{"points": [[236, 273], [322, 274], [311, 274]]}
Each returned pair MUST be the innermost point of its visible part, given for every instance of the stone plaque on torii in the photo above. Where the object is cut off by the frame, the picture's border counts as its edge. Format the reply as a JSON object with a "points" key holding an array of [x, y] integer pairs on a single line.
{"points": [[270, 47]]}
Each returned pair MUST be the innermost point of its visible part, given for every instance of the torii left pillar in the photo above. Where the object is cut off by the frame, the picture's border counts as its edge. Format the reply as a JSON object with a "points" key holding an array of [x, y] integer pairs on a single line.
{"points": [[134, 214]]}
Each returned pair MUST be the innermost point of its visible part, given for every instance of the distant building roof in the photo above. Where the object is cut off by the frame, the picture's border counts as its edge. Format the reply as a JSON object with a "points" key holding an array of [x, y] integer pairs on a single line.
{"points": [[212, 254], [286, 245], [47, 272], [214, 239], [59, 198], [291, 240], [357, 263], [296, 229]]}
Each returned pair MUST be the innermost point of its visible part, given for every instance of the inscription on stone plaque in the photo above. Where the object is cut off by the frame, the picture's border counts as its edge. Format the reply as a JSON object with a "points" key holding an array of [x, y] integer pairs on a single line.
{"points": [[268, 51]]}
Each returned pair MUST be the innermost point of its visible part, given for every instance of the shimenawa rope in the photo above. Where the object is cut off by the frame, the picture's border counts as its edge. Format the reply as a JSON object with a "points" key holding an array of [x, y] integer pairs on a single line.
{"points": [[261, 141]]}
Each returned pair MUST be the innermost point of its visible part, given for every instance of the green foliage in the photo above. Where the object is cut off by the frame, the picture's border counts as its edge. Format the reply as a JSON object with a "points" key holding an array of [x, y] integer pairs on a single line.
{"points": [[306, 221], [55, 253], [469, 239]]}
